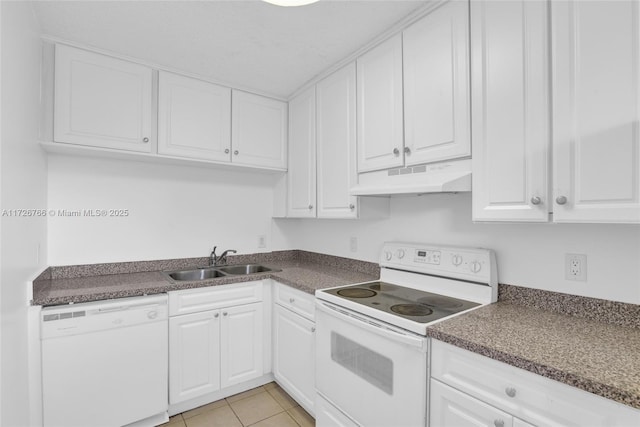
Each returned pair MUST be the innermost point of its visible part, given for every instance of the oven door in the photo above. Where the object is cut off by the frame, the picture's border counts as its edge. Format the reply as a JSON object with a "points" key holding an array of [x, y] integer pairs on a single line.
{"points": [[375, 373]]}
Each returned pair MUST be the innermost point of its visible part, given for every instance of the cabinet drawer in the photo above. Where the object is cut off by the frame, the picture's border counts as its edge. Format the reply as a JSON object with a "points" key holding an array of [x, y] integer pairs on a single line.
{"points": [[450, 407], [533, 398], [295, 300], [328, 415], [201, 299]]}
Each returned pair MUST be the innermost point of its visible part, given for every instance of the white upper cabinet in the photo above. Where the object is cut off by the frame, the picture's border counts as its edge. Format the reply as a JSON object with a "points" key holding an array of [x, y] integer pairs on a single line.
{"points": [[101, 101], [596, 111], [259, 131], [436, 86], [336, 144], [322, 153], [301, 180], [380, 135], [511, 109], [194, 118], [596, 105]]}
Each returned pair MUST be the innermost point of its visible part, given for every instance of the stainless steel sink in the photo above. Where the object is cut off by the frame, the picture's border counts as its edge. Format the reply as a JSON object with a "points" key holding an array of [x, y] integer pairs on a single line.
{"points": [[245, 269], [195, 274]]}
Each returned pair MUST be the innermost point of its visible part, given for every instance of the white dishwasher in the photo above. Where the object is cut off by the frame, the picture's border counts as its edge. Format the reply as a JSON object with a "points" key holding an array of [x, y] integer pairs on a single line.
{"points": [[105, 363]]}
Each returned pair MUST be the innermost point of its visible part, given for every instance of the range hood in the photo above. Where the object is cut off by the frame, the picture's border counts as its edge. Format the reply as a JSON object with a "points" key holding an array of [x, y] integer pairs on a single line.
{"points": [[448, 177]]}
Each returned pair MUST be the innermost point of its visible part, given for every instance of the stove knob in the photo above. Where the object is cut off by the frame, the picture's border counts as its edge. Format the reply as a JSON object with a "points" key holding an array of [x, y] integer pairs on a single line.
{"points": [[388, 255], [400, 253], [456, 260], [475, 267]]}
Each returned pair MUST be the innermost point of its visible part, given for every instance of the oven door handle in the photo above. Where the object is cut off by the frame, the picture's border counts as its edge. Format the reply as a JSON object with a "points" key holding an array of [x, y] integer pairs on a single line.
{"points": [[372, 326]]}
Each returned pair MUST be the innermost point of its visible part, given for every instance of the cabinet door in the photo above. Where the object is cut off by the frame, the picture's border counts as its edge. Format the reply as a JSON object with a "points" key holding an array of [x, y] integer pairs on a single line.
{"points": [[510, 110], [336, 146], [301, 173], [194, 355], [294, 355], [241, 344], [380, 144], [596, 81], [101, 101], [436, 86], [259, 131], [194, 118], [452, 408]]}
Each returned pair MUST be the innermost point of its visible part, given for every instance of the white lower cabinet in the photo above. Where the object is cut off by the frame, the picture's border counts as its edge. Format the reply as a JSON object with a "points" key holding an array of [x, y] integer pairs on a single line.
{"points": [[240, 344], [294, 345], [194, 355], [450, 407], [470, 389], [216, 348]]}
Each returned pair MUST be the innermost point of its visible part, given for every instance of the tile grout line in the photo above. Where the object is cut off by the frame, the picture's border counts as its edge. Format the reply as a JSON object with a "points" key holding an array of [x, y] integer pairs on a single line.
{"points": [[263, 389], [234, 413]]}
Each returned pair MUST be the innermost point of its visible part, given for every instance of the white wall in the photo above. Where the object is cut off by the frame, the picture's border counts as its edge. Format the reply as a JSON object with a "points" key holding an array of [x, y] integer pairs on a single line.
{"points": [[23, 186], [529, 255], [174, 211]]}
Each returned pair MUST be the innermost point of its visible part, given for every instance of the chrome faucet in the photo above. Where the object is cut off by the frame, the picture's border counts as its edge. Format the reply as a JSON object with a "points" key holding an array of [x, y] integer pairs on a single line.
{"points": [[222, 259]]}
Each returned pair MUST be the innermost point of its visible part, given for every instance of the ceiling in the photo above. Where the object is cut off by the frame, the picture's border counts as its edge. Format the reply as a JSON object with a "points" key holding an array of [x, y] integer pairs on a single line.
{"points": [[243, 43]]}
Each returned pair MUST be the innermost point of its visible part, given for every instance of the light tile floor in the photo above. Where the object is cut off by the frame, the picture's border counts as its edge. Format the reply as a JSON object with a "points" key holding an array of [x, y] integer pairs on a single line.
{"points": [[266, 406]]}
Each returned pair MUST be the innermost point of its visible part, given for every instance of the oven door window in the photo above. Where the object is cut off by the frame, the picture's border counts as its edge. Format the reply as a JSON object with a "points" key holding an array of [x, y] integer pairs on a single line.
{"points": [[369, 365]]}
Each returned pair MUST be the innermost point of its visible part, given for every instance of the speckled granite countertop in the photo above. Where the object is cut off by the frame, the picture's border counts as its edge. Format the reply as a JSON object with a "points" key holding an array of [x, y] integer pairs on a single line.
{"points": [[594, 355], [302, 270]]}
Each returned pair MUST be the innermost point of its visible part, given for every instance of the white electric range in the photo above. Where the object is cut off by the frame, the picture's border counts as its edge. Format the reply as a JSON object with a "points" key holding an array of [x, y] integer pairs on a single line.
{"points": [[371, 338]]}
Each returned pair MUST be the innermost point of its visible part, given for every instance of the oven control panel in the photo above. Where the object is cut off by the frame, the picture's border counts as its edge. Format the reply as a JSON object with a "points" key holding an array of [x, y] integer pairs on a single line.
{"points": [[427, 256], [475, 264]]}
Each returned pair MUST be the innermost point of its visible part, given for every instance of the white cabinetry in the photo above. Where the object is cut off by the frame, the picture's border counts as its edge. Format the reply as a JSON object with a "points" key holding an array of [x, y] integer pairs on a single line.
{"points": [[435, 53], [194, 355], [449, 407], [467, 386], [336, 144], [241, 344], [511, 131], [426, 68], [101, 101], [194, 118], [105, 102], [294, 344], [301, 180], [322, 152], [259, 131], [215, 339], [596, 111], [379, 116]]}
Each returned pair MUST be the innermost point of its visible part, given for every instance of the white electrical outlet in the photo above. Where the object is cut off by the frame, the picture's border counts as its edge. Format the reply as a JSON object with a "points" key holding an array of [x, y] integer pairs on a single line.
{"points": [[262, 241], [353, 244], [575, 267]]}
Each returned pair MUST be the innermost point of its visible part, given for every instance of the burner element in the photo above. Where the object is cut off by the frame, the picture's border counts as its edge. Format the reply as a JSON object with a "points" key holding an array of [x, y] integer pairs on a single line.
{"points": [[384, 287], [411, 309], [357, 293], [442, 302]]}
